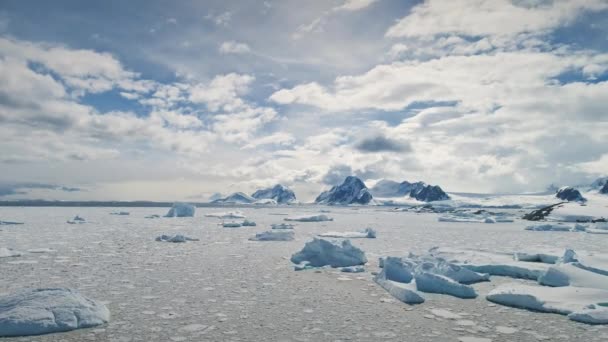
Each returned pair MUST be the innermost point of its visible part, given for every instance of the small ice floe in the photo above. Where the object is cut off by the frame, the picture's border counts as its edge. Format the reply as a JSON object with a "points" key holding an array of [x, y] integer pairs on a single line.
{"points": [[248, 223], [321, 252], [227, 215], [282, 226], [154, 216], [41, 250], [436, 283], [367, 233], [8, 223], [274, 235], [313, 218], [405, 292], [77, 219], [232, 224], [174, 238], [43, 311], [550, 227], [590, 228], [121, 213], [181, 210], [8, 253], [479, 216], [353, 269]]}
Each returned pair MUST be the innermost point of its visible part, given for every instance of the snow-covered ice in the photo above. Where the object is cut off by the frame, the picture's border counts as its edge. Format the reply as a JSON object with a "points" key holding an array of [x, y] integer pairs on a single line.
{"points": [[402, 291], [436, 283], [369, 233], [312, 218], [274, 235], [181, 210], [43, 311], [321, 252]]}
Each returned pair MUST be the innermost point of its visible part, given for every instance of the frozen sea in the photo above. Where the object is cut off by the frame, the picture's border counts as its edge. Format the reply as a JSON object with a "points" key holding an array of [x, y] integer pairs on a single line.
{"points": [[226, 288]]}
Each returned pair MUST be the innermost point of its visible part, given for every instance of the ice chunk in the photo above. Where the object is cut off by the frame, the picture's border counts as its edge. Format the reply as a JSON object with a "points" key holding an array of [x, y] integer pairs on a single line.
{"points": [[570, 275], [227, 215], [174, 238], [231, 224], [274, 235], [44, 311], [397, 269], [121, 213], [579, 303], [282, 226], [458, 273], [367, 233], [248, 223], [353, 269], [435, 283], [403, 292], [321, 252], [553, 227], [181, 210], [313, 218], [152, 216], [8, 253], [76, 219], [7, 223]]}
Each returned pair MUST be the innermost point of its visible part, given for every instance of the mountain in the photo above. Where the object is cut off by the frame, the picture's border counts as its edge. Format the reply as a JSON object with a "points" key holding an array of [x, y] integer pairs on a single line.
{"points": [[279, 193], [215, 196], [418, 190], [351, 191], [236, 198], [568, 193], [604, 190]]}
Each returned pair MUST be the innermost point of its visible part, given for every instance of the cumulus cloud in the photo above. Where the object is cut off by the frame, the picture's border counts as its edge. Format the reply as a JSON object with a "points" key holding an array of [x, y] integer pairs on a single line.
{"points": [[382, 144], [232, 47]]}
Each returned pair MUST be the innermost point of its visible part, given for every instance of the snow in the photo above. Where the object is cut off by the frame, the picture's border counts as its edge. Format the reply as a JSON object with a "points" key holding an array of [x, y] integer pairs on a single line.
{"points": [[43, 311], [313, 218], [8, 253], [227, 215], [579, 303], [174, 238], [282, 226], [181, 210], [436, 283], [276, 235], [367, 233], [321, 252], [594, 209]]}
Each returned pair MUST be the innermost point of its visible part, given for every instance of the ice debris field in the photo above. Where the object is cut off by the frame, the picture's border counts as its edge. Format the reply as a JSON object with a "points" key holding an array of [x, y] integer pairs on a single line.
{"points": [[364, 273]]}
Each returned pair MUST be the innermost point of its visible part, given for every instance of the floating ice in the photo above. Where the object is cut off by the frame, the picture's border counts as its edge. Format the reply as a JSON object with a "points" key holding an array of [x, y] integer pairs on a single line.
{"points": [[435, 283], [121, 213], [569, 275], [7, 223], [282, 226], [367, 233], [76, 219], [44, 311], [231, 224], [314, 218], [353, 269], [8, 253], [321, 252], [275, 235], [152, 216], [479, 216], [553, 227], [397, 269], [248, 223], [181, 210], [227, 215], [174, 238], [403, 292]]}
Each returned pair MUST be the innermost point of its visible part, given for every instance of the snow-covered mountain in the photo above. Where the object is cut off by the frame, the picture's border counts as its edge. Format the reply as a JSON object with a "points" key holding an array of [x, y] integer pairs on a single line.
{"points": [[279, 193], [236, 198], [351, 191], [604, 190], [417, 190], [600, 183], [569, 193]]}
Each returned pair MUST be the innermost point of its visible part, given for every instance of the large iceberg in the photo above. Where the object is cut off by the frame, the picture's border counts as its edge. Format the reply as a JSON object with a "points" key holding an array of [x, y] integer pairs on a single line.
{"points": [[279, 193], [313, 218], [321, 252], [351, 191], [181, 210], [274, 235], [44, 311]]}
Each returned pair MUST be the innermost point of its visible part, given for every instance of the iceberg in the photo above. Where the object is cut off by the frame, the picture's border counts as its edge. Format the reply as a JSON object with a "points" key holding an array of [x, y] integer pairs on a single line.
{"points": [[178, 238], [321, 252], [77, 219], [313, 218], [367, 233], [436, 283], [278, 193], [282, 226], [406, 293], [351, 191], [231, 224], [248, 223], [181, 210], [43, 311], [276, 235]]}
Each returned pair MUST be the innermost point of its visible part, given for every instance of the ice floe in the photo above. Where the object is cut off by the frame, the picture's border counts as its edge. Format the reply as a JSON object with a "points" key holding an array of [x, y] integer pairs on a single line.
{"points": [[321, 252], [77, 219], [121, 213], [247, 223], [276, 235], [227, 215], [282, 226], [478, 216], [405, 292], [369, 233], [8, 253], [313, 218], [174, 238], [42, 311], [232, 224], [181, 210], [8, 223], [436, 283]]}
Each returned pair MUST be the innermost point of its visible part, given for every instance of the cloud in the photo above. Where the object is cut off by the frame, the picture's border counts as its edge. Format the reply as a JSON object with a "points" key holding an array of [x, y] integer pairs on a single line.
{"points": [[317, 24], [222, 19], [382, 144], [7, 189], [232, 47]]}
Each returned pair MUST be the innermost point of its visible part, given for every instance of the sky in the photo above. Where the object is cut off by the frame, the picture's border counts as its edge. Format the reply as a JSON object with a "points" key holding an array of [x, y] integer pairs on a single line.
{"points": [[160, 100]]}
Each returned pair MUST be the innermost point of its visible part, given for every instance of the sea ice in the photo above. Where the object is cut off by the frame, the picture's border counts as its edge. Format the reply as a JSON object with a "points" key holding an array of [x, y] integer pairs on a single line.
{"points": [[274, 235], [231, 224], [282, 226], [436, 283], [181, 210], [403, 292], [174, 238], [313, 218], [227, 215], [8, 253], [353, 269], [42, 311], [7, 223], [321, 252], [367, 233], [248, 223], [566, 274], [553, 227]]}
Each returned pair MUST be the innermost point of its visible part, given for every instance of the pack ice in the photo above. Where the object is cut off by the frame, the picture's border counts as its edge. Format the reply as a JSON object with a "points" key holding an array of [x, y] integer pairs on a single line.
{"points": [[274, 235], [227, 215], [313, 218], [181, 210], [321, 252], [43, 311], [367, 233]]}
